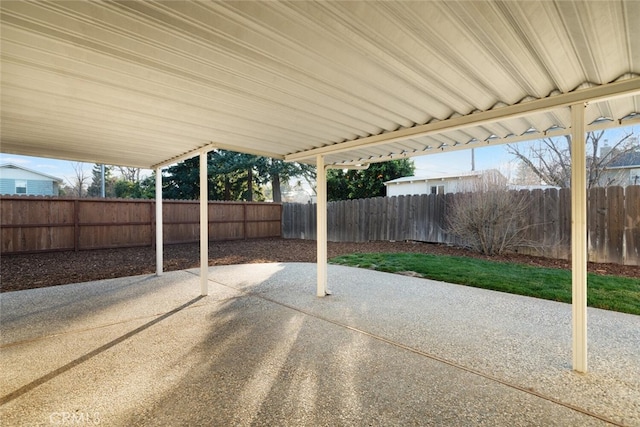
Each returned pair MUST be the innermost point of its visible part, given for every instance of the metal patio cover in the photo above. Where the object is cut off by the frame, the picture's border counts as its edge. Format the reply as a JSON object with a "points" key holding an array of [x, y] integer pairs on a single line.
{"points": [[145, 83]]}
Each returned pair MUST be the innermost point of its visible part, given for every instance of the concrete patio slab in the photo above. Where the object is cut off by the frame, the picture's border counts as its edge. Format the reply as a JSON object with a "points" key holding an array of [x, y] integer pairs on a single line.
{"points": [[262, 349]]}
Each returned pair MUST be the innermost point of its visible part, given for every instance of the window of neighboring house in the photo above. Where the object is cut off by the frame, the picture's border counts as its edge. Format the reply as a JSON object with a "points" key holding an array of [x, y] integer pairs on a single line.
{"points": [[21, 187], [634, 176], [437, 189]]}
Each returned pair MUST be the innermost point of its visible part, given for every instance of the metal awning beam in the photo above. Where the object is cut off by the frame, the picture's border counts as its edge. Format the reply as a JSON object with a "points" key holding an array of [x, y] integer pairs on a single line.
{"points": [[248, 150], [215, 146], [185, 156], [512, 139], [601, 125], [593, 94]]}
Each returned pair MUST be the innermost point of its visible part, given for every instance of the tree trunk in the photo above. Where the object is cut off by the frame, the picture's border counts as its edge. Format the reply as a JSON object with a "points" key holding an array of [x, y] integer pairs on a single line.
{"points": [[250, 185], [275, 184]]}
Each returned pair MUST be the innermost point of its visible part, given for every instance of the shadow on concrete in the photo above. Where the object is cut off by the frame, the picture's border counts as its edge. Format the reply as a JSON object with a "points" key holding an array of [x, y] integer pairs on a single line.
{"points": [[53, 374]]}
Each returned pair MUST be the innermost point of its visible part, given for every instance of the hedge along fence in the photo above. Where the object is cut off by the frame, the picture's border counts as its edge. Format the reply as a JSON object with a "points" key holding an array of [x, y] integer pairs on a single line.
{"points": [[43, 224], [613, 222]]}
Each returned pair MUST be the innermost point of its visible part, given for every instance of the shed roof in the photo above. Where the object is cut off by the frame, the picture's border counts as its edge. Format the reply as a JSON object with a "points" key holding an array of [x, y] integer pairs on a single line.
{"points": [[630, 159], [440, 176], [145, 83]]}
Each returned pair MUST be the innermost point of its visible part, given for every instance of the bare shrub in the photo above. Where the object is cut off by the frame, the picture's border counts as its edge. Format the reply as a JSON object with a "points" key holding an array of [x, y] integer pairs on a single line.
{"points": [[487, 218]]}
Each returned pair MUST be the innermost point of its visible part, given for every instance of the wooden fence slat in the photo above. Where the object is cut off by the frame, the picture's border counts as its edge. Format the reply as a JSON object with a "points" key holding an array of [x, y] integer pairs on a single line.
{"points": [[551, 215], [564, 226], [372, 218], [441, 214], [355, 215], [430, 221], [405, 216], [76, 225], [632, 226], [615, 224], [526, 221], [597, 223], [363, 225], [380, 218]]}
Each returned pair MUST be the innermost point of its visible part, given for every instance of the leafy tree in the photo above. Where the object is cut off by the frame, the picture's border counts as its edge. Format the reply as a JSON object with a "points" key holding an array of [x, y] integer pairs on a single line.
{"points": [[128, 185], [279, 172], [182, 180], [232, 176], [550, 158], [95, 189], [143, 189], [65, 190], [364, 183], [337, 185]]}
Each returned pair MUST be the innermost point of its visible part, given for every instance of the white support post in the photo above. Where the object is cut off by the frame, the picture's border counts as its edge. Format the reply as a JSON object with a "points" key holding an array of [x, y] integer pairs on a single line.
{"points": [[204, 226], [321, 228], [159, 239], [579, 237]]}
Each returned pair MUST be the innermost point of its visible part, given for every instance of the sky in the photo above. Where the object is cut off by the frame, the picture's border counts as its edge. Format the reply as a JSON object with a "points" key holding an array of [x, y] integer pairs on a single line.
{"points": [[444, 163], [492, 157]]}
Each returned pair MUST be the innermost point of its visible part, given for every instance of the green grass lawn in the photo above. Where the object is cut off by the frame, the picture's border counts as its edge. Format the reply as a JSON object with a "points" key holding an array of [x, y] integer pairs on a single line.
{"points": [[607, 292]]}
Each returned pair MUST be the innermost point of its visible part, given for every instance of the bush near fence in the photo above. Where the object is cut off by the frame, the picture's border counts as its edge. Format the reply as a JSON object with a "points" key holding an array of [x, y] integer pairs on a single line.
{"points": [[43, 224], [613, 222]]}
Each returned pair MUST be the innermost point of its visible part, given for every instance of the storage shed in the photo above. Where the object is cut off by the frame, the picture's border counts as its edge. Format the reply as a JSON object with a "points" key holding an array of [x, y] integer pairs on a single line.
{"points": [[443, 183]]}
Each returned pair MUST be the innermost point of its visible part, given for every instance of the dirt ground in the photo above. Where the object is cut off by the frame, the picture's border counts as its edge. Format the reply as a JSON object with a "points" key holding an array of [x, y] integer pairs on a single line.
{"points": [[28, 271]]}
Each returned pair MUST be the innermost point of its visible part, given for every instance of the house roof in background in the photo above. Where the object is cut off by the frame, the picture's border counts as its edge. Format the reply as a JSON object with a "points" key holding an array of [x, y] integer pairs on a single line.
{"points": [[631, 159], [13, 166], [145, 83], [440, 176]]}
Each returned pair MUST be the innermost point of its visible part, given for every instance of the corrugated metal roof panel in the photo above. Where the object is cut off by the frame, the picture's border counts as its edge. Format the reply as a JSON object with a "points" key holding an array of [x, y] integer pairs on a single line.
{"points": [[137, 83]]}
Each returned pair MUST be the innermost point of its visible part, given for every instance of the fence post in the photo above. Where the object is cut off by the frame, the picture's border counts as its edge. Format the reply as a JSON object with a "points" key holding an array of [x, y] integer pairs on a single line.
{"points": [[76, 225], [244, 221], [152, 225]]}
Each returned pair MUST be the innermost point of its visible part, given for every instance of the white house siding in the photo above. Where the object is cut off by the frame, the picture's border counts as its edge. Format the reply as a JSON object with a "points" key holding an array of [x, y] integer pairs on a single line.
{"points": [[442, 186], [622, 176], [407, 188], [421, 186]]}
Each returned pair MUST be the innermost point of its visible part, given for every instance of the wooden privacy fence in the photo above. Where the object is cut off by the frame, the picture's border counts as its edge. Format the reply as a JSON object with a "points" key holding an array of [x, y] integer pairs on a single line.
{"points": [[420, 218], [42, 224], [613, 221]]}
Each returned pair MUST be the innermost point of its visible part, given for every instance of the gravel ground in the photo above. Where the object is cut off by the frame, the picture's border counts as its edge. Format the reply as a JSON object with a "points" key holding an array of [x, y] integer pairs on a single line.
{"points": [[57, 268]]}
